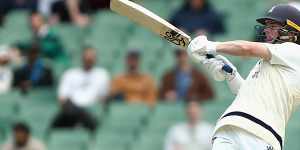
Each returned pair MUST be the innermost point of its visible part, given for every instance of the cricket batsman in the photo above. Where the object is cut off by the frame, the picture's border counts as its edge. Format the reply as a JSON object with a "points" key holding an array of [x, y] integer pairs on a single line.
{"points": [[265, 100]]}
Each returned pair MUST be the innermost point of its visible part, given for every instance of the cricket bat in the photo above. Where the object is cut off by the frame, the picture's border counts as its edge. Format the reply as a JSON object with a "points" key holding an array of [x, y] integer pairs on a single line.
{"points": [[156, 24]]}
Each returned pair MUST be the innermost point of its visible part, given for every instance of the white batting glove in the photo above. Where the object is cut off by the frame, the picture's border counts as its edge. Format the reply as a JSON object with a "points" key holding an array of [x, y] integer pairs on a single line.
{"points": [[215, 65], [200, 47]]}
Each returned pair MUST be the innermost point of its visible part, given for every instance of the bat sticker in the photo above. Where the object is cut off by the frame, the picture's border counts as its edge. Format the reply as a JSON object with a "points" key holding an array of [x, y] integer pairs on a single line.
{"points": [[174, 37]]}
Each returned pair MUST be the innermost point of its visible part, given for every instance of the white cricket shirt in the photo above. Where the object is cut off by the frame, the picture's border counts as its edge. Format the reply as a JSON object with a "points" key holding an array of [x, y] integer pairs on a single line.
{"points": [[268, 96]]}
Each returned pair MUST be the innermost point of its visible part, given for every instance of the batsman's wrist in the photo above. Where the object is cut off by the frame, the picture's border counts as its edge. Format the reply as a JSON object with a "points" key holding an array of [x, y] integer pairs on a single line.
{"points": [[212, 47]]}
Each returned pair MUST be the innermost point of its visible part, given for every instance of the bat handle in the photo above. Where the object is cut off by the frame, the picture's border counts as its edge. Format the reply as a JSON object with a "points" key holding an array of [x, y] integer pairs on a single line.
{"points": [[225, 67]]}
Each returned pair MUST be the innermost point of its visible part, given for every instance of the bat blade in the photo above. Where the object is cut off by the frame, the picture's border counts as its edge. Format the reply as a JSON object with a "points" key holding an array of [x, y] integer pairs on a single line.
{"points": [[155, 23], [148, 19]]}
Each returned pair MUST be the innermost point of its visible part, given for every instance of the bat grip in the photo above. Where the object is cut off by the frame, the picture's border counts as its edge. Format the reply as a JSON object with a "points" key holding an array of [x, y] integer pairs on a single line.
{"points": [[225, 67]]}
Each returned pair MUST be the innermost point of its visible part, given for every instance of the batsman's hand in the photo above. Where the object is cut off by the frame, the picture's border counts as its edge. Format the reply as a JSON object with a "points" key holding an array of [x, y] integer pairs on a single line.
{"points": [[215, 65], [200, 47]]}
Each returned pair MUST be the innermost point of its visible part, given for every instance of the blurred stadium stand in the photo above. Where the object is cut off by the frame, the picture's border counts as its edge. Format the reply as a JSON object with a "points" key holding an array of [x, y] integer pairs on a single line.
{"points": [[123, 126]]}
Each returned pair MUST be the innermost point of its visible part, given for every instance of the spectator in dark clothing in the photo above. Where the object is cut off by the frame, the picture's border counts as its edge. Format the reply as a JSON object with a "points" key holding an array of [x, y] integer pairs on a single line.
{"points": [[199, 17], [72, 115], [76, 11], [184, 82], [34, 73], [49, 42], [9, 5], [98, 4]]}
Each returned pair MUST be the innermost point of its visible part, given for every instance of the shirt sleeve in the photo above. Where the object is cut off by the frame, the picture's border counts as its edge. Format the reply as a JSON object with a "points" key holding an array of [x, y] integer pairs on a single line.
{"points": [[286, 54]]}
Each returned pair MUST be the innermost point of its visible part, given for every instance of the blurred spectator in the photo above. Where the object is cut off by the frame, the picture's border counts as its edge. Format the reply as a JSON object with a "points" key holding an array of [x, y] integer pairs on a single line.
{"points": [[44, 7], [5, 70], [134, 86], [22, 139], [34, 73], [49, 42], [199, 17], [195, 134], [184, 82], [76, 11], [80, 88]]}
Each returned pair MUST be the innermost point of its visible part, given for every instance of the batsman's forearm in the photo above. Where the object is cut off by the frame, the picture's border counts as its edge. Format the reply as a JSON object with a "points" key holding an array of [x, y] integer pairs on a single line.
{"points": [[244, 48], [235, 48]]}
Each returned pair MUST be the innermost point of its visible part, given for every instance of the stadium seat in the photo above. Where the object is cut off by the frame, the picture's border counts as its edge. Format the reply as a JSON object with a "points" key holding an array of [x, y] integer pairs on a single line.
{"points": [[5, 129], [164, 116], [293, 132], [8, 111], [124, 118], [17, 18], [97, 111], [41, 96], [106, 140], [8, 105], [246, 67], [72, 43], [2, 137], [160, 127], [16, 28], [168, 111], [38, 116], [132, 110], [292, 140], [162, 9], [213, 111], [109, 26], [61, 65], [148, 143], [69, 139], [148, 134], [222, 91], [121, 125]]}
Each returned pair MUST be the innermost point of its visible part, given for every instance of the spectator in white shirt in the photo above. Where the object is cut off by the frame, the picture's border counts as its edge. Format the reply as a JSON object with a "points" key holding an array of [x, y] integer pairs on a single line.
{"points": [[80, 88], [6, 74], [195, 134]]}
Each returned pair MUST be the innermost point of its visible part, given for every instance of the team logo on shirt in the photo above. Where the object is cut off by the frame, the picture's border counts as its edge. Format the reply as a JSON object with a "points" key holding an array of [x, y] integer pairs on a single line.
{"points": [[270, 148]]}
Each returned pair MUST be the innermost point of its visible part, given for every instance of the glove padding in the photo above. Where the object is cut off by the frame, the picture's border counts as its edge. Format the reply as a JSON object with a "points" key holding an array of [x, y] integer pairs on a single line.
{"points": [[215, 65], [200, 47]]}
